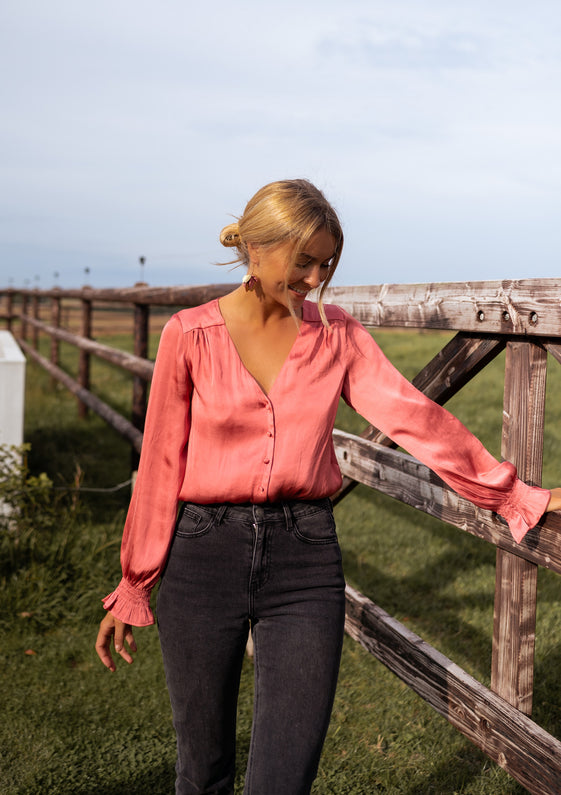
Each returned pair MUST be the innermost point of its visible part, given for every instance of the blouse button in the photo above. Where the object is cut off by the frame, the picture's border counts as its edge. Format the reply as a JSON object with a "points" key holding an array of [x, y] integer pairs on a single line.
{"points": [[269, 433], [266, 461]]}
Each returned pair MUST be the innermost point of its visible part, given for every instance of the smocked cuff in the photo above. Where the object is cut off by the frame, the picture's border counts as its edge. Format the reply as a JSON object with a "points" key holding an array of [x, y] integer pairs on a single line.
{"points": [[524, 508], [130, 605]]}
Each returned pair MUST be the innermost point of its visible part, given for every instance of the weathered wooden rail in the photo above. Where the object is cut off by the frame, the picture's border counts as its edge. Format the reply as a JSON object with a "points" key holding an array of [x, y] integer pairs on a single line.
{"points": [[523, 317]]}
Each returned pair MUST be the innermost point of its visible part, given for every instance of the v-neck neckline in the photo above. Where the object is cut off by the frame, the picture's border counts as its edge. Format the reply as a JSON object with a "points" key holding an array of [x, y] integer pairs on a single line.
{"points": [[266, 394]]}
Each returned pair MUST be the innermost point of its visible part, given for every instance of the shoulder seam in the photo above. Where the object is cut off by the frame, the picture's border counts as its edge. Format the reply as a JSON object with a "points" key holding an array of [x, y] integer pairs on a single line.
{"points": [[197, 323]]}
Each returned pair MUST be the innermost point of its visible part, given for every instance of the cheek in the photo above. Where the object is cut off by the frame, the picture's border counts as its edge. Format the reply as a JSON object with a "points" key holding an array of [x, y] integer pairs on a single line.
{"points": [[292, 275]]}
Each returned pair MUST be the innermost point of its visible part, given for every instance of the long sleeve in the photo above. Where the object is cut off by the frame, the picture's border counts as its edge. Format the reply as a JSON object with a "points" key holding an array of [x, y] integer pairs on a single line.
{"points": [[212, 435], [151, 517], [375, 389]]}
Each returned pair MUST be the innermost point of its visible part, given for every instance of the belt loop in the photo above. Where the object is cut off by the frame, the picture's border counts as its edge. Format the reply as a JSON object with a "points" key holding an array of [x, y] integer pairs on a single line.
{"points": [[288, 515], [220, 513]]}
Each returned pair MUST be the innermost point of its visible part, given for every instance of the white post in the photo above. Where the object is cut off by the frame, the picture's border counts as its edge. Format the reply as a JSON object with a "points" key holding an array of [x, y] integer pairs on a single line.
{"points": [[12, 396], [12, 390]]}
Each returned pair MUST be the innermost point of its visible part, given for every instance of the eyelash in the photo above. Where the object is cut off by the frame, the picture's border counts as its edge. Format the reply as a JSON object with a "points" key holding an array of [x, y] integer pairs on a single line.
{"points": [[325, 265]]}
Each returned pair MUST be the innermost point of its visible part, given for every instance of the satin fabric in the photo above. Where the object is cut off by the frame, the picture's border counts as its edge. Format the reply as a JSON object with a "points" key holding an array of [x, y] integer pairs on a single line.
{"points": [[212, 435]]}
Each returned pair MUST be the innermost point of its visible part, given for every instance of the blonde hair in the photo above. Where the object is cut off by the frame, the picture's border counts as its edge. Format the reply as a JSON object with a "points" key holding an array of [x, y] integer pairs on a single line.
{"points": [[290, 210]]}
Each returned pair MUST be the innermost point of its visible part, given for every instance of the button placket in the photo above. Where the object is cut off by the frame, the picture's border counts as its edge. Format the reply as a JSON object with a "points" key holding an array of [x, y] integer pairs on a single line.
{"points": [[269, 448]]}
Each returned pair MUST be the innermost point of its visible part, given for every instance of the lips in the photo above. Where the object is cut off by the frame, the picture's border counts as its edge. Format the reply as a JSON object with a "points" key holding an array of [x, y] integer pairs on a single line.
{"points": [[299, 291]]}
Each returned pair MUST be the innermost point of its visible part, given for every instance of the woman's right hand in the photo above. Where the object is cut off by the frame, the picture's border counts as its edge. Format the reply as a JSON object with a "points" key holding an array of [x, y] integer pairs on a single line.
{"points": [[111, 627]]}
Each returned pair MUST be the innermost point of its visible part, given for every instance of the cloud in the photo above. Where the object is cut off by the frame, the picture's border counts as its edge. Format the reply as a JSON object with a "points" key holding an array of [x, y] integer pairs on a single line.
{"points": [[136, 128]]}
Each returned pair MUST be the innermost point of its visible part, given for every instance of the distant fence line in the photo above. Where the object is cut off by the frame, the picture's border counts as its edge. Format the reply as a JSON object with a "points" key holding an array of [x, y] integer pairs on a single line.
{"points": [[521, 317], [23, 307]]}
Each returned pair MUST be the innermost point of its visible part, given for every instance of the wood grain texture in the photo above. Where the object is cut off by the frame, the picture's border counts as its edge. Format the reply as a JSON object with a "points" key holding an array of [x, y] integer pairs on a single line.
{"points": [[514, 623], [529, 306]]}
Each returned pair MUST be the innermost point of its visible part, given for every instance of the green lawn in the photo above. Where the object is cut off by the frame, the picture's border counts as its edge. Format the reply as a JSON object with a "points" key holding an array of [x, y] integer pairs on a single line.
{"points": [[69, 726]]}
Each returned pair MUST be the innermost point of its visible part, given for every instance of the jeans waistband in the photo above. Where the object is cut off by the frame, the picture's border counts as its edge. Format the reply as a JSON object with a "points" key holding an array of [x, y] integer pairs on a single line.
{"points": [[286, 511]]}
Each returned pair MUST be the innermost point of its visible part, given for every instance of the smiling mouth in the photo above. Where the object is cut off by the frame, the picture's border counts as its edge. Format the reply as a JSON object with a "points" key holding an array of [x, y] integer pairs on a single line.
{"points": [[298, 291]]}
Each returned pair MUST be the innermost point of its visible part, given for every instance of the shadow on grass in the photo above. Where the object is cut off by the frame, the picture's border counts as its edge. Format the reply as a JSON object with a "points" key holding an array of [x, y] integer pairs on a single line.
{"points": [[472, 763], [417, 576], [158, 780]]}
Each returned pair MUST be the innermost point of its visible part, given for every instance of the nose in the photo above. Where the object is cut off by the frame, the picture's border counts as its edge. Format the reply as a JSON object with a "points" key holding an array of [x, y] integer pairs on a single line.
{"points": [[314, 277]]}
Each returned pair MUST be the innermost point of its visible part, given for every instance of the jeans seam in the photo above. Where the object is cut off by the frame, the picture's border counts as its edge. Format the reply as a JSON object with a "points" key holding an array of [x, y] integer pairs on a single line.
{"points": [[250, 583]]}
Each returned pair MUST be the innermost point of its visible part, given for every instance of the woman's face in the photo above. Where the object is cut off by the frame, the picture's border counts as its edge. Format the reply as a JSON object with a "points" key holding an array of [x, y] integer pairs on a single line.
{"points": [[279, 280]]}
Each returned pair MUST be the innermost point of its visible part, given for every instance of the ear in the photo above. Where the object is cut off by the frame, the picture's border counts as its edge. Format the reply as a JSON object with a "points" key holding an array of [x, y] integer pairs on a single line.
{"points": [[253, 252]]}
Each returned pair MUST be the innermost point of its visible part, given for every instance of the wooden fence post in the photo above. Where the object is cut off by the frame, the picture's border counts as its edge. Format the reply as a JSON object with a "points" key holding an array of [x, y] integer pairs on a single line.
{"points": [[84, 362], [55, 342], [140, 386], [35, 313], [24, 307], [10, 309], [516, 579], [55, 321]]}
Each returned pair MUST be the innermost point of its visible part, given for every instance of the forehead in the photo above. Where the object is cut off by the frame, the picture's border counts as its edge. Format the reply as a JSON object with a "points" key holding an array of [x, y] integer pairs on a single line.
{"points": [[320, 246]]}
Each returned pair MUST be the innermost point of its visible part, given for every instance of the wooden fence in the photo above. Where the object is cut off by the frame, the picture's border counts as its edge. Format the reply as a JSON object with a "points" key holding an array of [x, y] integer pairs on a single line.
{"points": [[523, 317]]}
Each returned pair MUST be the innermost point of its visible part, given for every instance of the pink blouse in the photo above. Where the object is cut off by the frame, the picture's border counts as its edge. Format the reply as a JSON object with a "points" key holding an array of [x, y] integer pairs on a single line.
{"points": [[213, 435]]}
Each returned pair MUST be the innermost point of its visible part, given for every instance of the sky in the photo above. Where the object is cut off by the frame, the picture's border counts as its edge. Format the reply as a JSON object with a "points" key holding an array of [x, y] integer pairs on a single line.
{"points": [[139, 129]]}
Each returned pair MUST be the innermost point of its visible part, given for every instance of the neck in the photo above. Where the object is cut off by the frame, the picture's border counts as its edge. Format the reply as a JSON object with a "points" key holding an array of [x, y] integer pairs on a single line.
{"points": [[254, 308]]}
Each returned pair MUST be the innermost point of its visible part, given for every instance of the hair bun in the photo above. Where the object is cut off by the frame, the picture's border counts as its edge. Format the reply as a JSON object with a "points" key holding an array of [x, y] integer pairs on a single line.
{"points": [[230, 235]]}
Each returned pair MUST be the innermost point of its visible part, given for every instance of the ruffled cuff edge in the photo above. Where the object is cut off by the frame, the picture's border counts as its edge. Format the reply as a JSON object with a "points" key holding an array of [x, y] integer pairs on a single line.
{"points": [[130, 605], [524, 508]]}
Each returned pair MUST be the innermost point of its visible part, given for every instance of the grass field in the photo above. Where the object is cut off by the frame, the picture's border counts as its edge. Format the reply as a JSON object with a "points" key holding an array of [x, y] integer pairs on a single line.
{"points": [[69, 726]]}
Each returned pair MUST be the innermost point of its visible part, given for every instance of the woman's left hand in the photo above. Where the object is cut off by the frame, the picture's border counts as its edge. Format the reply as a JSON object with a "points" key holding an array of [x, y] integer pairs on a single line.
{"points": [[554, 503]]}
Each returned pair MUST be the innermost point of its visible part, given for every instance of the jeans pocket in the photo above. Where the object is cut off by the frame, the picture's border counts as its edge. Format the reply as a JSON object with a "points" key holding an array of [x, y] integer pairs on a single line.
{"points": [[194, 520], [316, 527]]}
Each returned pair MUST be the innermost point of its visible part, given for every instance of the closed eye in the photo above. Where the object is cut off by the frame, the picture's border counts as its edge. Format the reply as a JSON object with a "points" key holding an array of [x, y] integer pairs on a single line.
{"points": [[307, 263]]}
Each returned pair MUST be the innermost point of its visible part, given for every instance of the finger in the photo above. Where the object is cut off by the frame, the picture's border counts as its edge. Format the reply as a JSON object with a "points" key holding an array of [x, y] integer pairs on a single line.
{"points": [[102, 647], [120, 631], [129, 637]]}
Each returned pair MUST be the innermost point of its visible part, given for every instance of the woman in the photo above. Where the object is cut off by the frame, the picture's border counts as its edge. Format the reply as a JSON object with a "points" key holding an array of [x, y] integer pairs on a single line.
{"points": [[239, 423]]}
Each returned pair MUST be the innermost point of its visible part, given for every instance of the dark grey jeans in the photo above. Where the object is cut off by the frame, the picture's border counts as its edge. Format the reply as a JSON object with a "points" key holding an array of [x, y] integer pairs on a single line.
{"points": [[278, 567]]}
